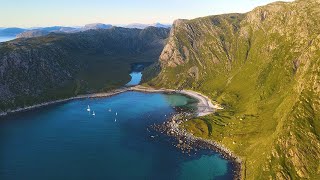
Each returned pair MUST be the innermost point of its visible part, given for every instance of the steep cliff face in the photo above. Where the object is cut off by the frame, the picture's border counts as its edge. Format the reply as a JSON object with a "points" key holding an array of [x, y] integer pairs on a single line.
{"points": [[264, 68], [62, 65]]}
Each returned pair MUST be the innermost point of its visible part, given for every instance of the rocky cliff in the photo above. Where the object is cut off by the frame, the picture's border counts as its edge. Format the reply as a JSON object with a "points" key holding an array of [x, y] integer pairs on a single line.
{"points": [[57, 66], [264, 68]]}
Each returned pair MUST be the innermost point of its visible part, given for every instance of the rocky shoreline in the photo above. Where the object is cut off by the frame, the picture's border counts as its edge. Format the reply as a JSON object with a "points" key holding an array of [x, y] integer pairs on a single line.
{"points": [[186, 142], [189, 144]]}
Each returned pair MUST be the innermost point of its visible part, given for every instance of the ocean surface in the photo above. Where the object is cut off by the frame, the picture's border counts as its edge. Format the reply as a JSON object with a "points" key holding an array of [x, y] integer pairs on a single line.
{"points": [[6, 38], [65, 141]]}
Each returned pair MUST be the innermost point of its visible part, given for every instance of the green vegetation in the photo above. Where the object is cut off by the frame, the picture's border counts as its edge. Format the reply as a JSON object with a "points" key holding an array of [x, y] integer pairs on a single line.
{"points": [[56, 66], [264, 68]]}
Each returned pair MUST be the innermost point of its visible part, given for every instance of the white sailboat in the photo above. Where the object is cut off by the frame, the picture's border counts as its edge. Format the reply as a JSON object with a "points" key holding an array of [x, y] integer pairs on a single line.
{"points": [[93, 114], [115, 120], [88, 109], [116, 113]]}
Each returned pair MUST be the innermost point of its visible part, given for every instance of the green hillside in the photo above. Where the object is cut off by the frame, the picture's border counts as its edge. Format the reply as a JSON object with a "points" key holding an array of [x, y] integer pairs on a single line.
{"points": [[35, 70], [264, 68]]}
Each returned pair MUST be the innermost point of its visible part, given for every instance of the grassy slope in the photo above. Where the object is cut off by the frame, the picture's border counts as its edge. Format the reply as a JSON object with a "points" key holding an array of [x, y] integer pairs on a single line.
{"points": [[264, 68]]}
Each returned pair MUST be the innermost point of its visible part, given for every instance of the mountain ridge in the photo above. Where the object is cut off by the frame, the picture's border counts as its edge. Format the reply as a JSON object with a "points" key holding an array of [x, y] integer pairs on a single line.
{"points": [[61, 29], [142, 26], [263, 67], [56, 66], [42, 31]]}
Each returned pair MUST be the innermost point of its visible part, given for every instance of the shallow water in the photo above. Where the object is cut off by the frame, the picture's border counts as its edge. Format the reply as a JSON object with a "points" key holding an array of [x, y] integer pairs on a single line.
{"points": [[135, 78], [64, 141]]}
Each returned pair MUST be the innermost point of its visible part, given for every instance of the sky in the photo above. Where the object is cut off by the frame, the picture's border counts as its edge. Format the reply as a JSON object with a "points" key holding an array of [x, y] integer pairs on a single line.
{"points": [[39, 13]]}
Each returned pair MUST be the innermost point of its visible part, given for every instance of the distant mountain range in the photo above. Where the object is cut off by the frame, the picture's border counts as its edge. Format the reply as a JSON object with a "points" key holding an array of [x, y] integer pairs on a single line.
{"points": [[60, 29], [96, 26], [142, 26], [11, 31], [42, 31]]}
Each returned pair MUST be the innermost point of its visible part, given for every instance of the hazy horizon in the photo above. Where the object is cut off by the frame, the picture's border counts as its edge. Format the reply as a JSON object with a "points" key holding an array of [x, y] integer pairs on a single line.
{"points": [[79, 26], [36, 13]]}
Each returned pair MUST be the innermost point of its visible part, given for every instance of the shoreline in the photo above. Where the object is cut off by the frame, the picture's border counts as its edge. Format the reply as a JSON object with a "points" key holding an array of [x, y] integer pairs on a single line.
{"points": [[188, 143], [204, 105], [94, 95], [172, 126]]}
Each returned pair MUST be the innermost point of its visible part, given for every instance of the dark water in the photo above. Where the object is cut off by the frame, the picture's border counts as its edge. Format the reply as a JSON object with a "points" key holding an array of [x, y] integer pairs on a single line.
{"points": [[64, 141]]}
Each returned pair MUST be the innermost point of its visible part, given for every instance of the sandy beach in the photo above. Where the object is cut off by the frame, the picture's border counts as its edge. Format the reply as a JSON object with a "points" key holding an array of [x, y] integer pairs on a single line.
{"points": [[204, 106]]}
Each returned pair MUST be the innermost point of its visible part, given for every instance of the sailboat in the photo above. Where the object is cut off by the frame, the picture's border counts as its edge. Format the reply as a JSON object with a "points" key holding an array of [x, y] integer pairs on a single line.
{"points": [[93, 114], [88, 109], [116, 113], [115, 120]]}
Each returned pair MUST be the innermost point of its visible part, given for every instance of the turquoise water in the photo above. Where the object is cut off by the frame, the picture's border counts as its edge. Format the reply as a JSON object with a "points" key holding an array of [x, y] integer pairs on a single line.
{"points": [[6, 38], [65, 141], [135, 78]]}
